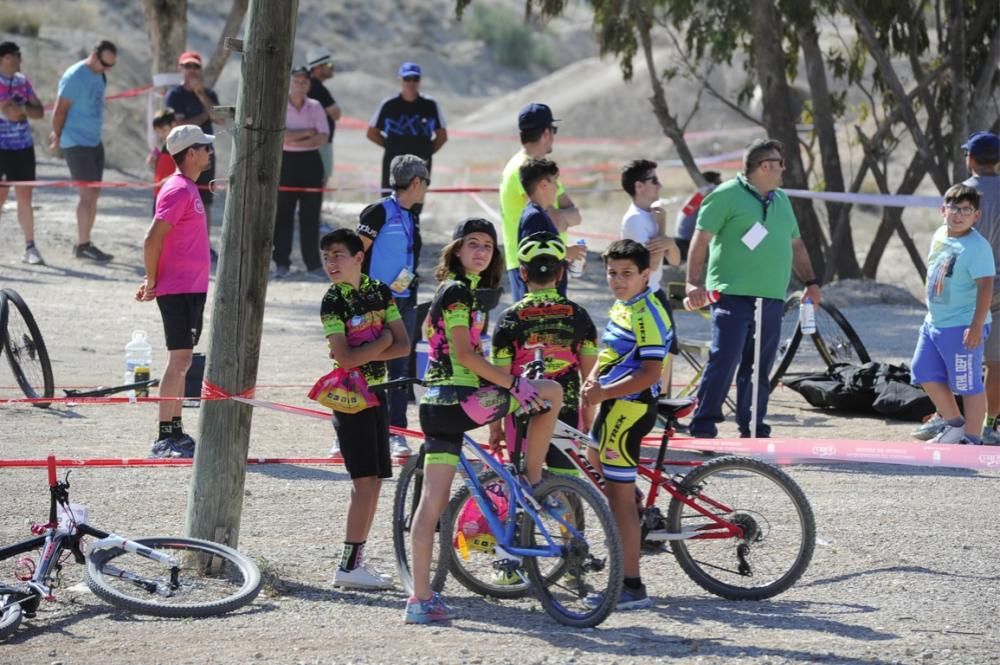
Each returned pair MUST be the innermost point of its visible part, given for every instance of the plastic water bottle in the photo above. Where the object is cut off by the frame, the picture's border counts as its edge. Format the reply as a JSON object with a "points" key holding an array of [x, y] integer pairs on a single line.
{"points": [[576, 267], [138, 361], [807, 317], [713, 297]]}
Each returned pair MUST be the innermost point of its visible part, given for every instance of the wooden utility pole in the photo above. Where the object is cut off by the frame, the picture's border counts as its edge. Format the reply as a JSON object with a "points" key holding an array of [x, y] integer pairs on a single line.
{"points": [[215, 499]]}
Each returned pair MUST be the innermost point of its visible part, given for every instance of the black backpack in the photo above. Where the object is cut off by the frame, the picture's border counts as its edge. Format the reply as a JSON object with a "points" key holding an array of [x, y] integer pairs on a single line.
{"points": [[873, 388]]}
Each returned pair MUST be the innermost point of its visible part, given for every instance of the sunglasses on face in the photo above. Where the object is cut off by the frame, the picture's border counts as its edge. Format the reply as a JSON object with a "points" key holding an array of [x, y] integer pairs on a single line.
{"points": [[780, 160], [191, 65], [653, 179], [554, 130], [412, 79]]}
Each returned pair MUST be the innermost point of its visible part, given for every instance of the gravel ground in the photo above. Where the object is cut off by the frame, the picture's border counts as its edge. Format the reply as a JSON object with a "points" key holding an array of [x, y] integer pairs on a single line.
{"points": [[904, 570]]}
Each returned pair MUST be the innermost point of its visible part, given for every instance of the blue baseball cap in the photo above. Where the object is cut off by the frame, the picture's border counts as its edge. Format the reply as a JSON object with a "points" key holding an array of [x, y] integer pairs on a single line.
{"points": [[983, 145], [409, 69], [535, 116]]}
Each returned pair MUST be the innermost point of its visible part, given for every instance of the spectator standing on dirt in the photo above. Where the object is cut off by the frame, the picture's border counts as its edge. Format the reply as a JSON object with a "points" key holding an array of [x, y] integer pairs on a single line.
{"points": [[159, 159], [539, 178], [77, 122], [18, 103], [645, 222], [319, 61], [177, 264], [538, 134], [301, 167], [948, 360], [748, 230], [982, 152], [687, 216], [390, 234], [407, 124], [192, 102]]}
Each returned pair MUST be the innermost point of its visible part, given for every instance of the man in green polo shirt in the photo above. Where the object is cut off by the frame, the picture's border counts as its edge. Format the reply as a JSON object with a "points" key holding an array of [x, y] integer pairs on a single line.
{"points": [[538, 134], [750, 234]]}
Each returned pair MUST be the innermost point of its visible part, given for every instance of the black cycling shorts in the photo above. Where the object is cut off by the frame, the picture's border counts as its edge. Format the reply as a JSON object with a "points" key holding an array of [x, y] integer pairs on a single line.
{"points": [[364, 442], [182, 315], [17, 164]]}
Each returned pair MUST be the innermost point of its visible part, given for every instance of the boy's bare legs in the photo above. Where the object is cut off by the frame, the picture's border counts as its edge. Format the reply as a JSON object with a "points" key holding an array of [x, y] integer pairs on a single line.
{"points": [[172, 383], [621, 498], [947, 406], [361, 509], [86, 212], [975, 413]]}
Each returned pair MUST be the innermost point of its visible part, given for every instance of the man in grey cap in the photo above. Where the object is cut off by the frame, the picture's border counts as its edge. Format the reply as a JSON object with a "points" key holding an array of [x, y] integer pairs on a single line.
{"points": [[390, 232], [319, 62], [982, 156]]}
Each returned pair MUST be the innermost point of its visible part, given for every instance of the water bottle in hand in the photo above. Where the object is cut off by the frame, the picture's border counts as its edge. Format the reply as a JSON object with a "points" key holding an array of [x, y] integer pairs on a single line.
{"points": [[576, 267], [807, 317], [713, 297]]}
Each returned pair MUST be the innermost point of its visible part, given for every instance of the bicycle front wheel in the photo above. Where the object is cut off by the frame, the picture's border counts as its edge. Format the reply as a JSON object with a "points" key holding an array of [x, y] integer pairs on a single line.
{"points": [[580, 586], [779, 530], [404, 505], [471, 545], [791, 337], [25, 349], [212, 578], [835, 338]]}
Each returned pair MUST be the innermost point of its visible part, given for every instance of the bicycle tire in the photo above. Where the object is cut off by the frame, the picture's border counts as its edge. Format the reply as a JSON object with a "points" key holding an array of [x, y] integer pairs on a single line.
{"points": [[404, 505], [763, 546], [228, 581], [26, 352], [836, 340], [10, 614], [3, 321], [472, 565], [791, 337], [590, 568]]}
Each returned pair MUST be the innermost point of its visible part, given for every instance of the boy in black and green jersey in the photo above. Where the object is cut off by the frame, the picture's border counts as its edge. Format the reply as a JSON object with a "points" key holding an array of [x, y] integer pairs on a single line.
{"points": [[626, 384], [364, 329], [544, 319]]}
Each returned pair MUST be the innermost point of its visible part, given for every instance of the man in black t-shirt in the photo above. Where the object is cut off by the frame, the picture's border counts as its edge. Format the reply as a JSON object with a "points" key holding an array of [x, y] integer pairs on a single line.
{"points": [[407, 123], [192, 103], [319, 60]]}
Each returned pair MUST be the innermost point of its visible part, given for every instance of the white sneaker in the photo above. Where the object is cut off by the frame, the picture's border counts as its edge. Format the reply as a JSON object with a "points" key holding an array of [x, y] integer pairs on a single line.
{"points": [[950, 434], [33, 257], [335, 449], [399, 446], [359, 578]]}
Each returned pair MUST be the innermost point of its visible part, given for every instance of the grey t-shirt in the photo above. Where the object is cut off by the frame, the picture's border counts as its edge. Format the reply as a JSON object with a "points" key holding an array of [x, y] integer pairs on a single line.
{"points": [[989, 220]]}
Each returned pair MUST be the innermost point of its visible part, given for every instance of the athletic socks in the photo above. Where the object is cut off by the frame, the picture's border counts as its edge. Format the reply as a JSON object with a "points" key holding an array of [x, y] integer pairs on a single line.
{"points": [[352, 554], [166, 429], [634, 583], [29, 245], [990, 423], [957, 422], [177, 431]]}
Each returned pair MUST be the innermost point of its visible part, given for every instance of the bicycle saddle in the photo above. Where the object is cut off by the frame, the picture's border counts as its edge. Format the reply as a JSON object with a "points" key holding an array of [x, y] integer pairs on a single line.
{"points": [[675, 408]]}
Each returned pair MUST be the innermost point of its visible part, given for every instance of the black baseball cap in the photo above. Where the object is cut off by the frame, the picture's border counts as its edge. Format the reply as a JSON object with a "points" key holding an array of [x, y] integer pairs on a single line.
{"points": [[535, 116], [7, 48], [474, 225]]}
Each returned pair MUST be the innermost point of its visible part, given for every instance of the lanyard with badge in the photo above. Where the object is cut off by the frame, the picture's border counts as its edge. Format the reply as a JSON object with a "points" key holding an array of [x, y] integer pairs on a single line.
{"points": [[758, 231], [405, 276]]}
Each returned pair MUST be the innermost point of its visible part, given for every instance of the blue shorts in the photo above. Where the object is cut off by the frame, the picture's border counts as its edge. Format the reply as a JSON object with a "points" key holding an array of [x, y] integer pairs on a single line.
{"points": [[941, 357]]}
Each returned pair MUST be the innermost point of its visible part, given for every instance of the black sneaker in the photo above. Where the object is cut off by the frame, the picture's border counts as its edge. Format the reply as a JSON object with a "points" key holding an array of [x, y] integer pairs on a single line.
{"points": [[163, 449], [184, 446], [90, 251]]}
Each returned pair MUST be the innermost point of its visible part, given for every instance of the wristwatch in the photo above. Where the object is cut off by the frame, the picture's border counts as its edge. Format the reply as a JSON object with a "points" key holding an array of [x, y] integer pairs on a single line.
{"points": [[811, 282]]}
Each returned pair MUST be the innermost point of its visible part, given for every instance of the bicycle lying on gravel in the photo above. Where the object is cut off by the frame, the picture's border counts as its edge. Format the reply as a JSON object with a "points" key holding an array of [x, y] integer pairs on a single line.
{"points": [[561, 538], [160, 575], [21, 341], [740, 528]]}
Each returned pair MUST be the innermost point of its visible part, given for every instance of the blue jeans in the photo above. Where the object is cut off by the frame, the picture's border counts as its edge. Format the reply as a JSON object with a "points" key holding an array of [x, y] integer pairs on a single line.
{"points": [[399, 368], [732, 346]]}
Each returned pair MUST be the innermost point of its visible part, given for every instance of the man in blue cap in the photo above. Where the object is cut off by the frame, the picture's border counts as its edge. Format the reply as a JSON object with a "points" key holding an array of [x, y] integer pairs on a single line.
{"points": [[408, 123], [982, 156], [538, 134]]}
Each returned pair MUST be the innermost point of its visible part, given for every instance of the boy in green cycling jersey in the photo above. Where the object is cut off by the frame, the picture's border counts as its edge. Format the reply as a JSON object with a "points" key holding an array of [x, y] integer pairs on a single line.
{"points": [[625, 384]]}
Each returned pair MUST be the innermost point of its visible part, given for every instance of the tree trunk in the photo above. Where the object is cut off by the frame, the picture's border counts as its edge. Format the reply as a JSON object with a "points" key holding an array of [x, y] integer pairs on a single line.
{"points": [[842, 253], [668, 122], [780, 121], [959, 89], [166, 22], [215, 498], [221, 54], [892, 218]]}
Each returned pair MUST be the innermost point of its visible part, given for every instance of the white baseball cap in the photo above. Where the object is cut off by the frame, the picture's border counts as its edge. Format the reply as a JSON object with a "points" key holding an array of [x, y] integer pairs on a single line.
{"points": [[185, 136], [319, 55]]}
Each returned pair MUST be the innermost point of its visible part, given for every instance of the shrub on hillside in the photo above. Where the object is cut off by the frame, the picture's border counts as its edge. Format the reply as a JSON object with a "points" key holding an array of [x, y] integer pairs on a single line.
{"points": [[20, 23], [513, 41]]}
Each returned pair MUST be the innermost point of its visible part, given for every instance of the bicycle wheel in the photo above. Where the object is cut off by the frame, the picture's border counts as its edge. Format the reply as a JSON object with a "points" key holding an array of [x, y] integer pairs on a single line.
{"points": [[26, 353], [404, 505], [212, 578], [471, 545], [580, 587], [791, 337], [10, 613], [835, 338], [779, 530]]}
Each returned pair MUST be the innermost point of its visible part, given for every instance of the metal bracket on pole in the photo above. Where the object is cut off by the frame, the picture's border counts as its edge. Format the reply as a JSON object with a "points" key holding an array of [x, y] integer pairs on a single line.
{"points": [[228, 112], [234, 44], [758, 312]]}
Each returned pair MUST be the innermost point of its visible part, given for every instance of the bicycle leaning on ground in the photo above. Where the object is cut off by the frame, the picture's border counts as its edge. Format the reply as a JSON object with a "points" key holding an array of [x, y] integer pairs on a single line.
{"points": [[21, 341], [561, 538], [160, 575], [740, 528]]}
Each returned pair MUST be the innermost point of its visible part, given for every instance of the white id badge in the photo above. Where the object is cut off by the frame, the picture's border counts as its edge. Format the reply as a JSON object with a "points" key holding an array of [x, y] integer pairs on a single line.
{"points": [[753, 237], [402, 281]]}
